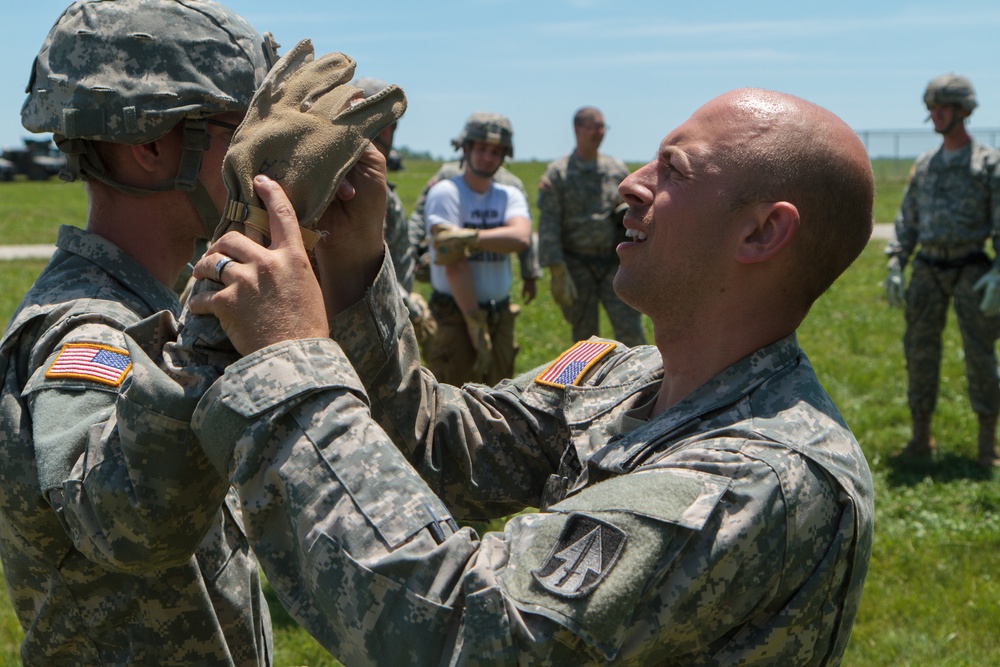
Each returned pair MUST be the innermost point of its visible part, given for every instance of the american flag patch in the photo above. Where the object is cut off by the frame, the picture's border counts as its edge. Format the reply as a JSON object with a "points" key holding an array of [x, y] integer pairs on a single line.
{"points": [[574, 363], [89, 361]]}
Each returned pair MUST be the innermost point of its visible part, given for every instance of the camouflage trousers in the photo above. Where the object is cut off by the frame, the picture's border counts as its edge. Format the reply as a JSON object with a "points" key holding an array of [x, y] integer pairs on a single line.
{"points": [[449, 353], [593, 276], [927, 297]]}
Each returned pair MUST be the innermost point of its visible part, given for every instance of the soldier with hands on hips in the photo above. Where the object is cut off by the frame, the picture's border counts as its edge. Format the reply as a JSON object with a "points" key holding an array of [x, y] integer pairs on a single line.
{"points": [[701, 501], [950, 208]]}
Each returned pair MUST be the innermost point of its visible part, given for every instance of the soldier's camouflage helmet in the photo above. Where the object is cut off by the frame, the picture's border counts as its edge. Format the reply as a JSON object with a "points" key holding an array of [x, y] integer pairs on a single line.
{"points": [[951, 89], [127, 71], [491, 128]]}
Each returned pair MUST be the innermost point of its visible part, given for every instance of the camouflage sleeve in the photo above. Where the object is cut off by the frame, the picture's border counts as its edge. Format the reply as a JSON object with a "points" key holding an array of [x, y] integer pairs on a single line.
{"points": [[907, 221], [481, 449], [366, 557], [127, 499], [397, 238], [550, 215], [416, 224]]}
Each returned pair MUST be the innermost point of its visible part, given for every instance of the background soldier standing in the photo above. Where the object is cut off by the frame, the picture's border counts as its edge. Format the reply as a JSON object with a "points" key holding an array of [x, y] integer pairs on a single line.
{"points": [[579, 227], [950, 207], [115, 549]]}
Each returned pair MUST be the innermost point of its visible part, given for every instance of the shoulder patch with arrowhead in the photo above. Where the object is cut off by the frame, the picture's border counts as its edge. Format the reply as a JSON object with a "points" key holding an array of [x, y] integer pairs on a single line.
{"points": [[583, 555]]}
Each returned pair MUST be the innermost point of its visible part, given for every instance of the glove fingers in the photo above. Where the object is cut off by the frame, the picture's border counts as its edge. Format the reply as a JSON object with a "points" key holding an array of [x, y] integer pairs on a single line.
{"points": [[355, 138], [320, 78], [290, 63], [369, 115]]}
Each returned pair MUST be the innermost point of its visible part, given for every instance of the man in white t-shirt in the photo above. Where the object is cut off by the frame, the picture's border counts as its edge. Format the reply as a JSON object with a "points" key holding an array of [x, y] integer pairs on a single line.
{"points": [[475, 225]]}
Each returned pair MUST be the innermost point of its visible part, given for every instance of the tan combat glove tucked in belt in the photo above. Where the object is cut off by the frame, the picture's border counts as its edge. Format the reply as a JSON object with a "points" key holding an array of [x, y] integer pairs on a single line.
{"points": [[895, 290], [479, 333], [990, 286], [563, 287], [306, 127]]}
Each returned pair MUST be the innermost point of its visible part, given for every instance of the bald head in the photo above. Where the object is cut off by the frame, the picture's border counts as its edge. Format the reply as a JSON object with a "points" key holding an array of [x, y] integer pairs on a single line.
{"points": [[787, 149]]}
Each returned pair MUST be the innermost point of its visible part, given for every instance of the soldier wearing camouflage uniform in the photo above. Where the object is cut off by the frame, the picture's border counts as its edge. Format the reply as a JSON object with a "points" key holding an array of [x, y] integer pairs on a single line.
{"points": [[117, 548], [700, 503], [951, 206], [579, 227]]}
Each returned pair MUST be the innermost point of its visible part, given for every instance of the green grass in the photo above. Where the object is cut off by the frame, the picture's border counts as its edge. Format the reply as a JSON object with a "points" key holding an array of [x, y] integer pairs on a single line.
{"points": [[31, 211], [934, 583]]}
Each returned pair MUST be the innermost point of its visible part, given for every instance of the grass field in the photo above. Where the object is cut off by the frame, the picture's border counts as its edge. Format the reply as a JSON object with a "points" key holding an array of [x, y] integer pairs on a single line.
{"points": [[933, 587]]}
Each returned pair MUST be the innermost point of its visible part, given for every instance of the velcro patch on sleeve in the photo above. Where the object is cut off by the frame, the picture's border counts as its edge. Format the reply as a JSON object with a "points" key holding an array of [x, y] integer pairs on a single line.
{"points": [[90, 361], [574, 363]]}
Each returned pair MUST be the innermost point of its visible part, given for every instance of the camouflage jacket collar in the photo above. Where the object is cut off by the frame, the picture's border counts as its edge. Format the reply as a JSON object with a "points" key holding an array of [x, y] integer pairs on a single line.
{"points": [[118, 264]]}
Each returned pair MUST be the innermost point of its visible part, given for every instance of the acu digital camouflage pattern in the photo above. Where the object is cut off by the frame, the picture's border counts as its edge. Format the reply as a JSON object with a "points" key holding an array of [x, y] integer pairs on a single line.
{"points": [[103, 75], [115, 549], [746, 509], [577, 227], [397, 238], [949, 206]]}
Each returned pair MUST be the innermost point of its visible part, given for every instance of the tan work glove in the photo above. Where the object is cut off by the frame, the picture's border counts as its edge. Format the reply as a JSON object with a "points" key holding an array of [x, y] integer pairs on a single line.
{"points": [[306, 127], [563, 289], [895, 291], [452, 244], [990, 284], [479, 333]]}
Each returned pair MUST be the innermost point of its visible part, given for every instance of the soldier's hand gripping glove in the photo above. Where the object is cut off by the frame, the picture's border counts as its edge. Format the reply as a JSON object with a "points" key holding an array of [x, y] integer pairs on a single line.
{"points": [[452, 244], [895, 292], [563, 288], [990, 285], [479, 334], [306, 127]]}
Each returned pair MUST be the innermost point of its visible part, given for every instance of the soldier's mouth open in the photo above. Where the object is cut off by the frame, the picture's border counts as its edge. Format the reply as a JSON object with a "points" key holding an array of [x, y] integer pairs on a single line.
{"points": [[635, 235]]}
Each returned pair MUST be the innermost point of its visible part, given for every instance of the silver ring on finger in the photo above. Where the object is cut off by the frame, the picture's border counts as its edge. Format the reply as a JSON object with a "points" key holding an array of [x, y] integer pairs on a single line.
{"points": [[219, 266]]}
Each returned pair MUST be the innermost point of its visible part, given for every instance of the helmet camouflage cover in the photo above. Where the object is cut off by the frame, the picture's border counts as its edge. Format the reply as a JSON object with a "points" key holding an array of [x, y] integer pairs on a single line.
{"points": [[489, 127], [126, 71], [951, 89]]}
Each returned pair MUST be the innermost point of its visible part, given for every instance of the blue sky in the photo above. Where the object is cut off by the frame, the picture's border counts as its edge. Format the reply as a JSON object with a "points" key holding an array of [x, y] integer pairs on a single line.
{"points": [[646, 63]]}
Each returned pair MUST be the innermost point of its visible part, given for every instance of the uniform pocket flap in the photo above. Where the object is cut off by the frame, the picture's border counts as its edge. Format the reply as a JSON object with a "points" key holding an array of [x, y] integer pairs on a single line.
{"points": [[675, 495]]}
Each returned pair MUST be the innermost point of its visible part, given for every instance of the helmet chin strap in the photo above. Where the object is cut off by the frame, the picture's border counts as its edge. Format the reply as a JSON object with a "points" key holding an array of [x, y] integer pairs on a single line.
{"points": [[955, 119], [194, 143], [206, 208], [84, 161]]}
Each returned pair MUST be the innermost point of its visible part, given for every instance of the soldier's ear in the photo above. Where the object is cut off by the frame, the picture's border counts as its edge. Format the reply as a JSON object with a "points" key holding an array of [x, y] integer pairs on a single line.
{"points": [[765, 229], [155, 157]]}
